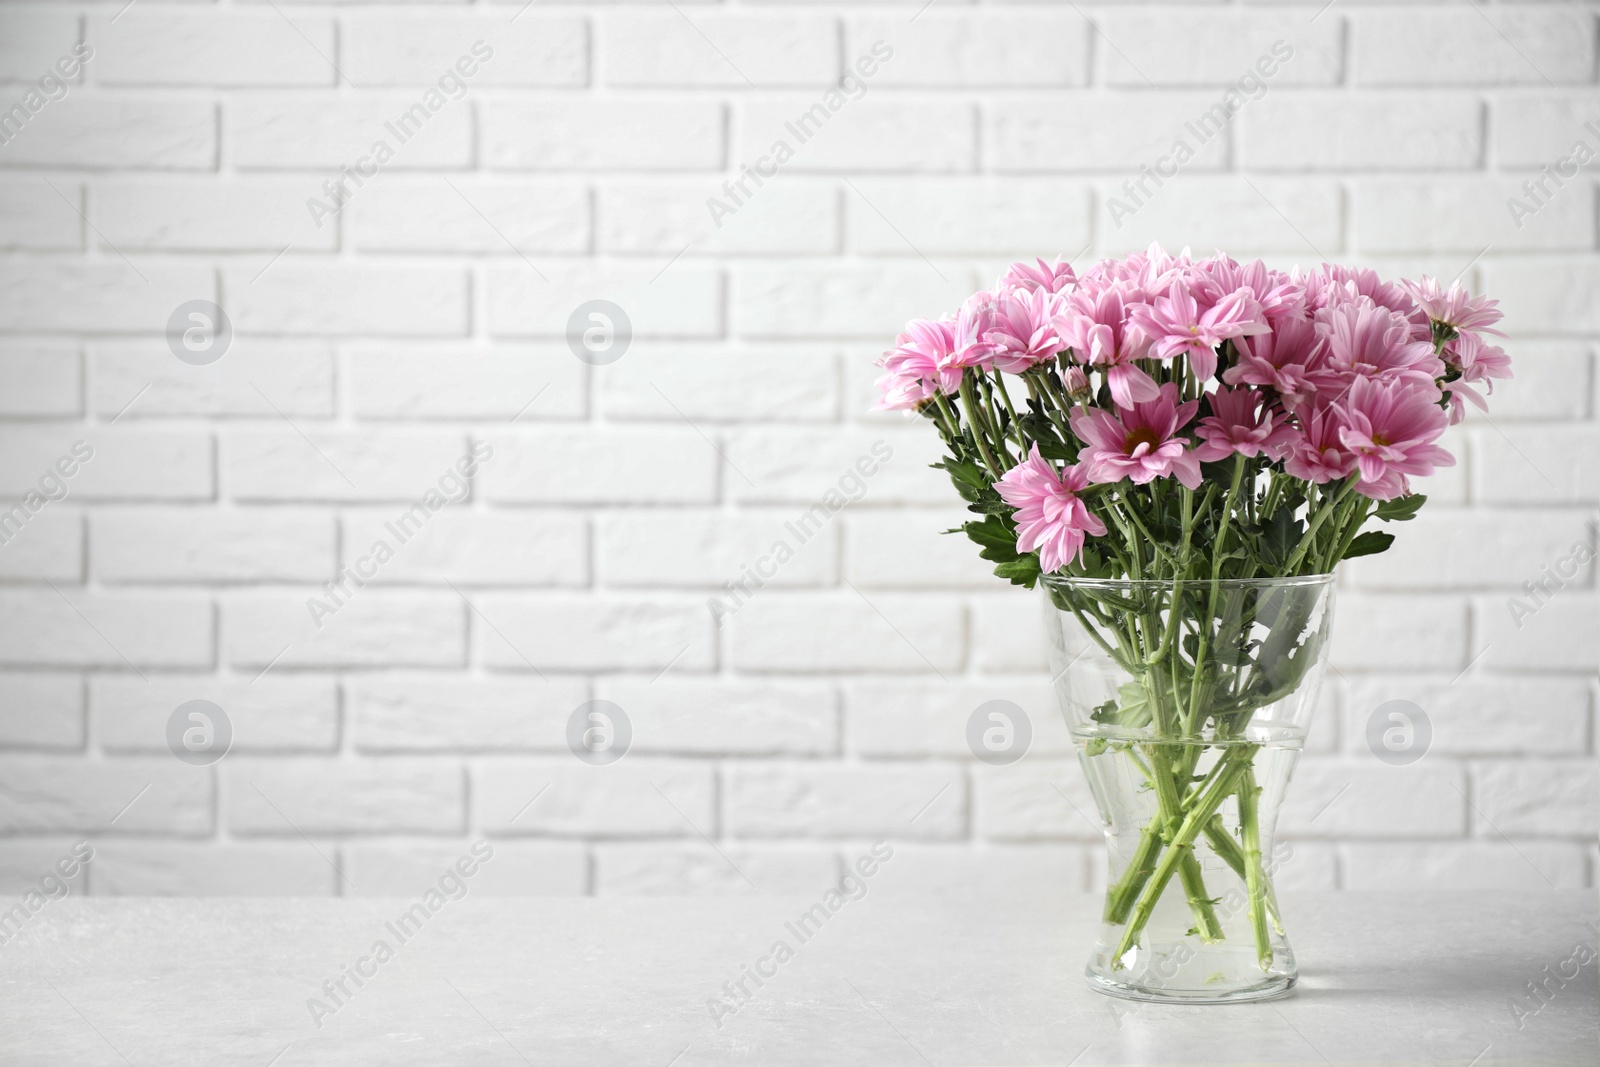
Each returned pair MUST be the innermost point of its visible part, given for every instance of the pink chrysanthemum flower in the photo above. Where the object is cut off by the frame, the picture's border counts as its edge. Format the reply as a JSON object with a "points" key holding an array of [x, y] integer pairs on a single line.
{"points": [[1240, 423], [1052, 277], [1367, 340], [1050, 516], [1141, 444], [918, 366], [970, 345], [1290, 359], [1178, 326], [1024, 329], [1317, 454], [1456, 308], [1097, 329], [1391, 427]]}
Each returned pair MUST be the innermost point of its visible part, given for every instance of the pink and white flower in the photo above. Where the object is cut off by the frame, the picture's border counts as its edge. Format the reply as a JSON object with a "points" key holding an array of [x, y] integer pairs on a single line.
{"points": [[1457, 308], [918, 366], [1023, 331], [1139, 443], [1050, 515], [1317, 453], [1177, 325], [1391, 427], [1053, 277], [1240, 423], [1096, 327]]}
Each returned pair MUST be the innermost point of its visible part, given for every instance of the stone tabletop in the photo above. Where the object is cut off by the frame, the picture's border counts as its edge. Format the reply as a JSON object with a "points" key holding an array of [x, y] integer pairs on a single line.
{"points": [[890, 979]]}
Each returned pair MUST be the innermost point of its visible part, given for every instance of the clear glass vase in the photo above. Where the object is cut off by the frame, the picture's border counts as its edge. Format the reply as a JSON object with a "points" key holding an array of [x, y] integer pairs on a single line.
{"points": [[1188, 703]]}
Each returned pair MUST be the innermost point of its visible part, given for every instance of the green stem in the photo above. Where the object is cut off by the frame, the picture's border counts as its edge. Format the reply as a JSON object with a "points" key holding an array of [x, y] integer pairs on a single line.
{"points": [[1255, 877]]}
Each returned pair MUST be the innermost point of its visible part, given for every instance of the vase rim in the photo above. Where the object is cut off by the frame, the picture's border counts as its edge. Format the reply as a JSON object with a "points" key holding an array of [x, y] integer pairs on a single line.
{"points": [[1290, 581]]}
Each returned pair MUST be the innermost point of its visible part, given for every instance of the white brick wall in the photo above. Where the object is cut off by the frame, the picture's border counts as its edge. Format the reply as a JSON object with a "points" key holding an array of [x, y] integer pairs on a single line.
{"points": [[374, 350]]}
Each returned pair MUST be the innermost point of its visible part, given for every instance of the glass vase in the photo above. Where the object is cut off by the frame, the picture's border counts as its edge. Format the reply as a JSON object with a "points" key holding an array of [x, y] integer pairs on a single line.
{"points": [[1188, 703]]}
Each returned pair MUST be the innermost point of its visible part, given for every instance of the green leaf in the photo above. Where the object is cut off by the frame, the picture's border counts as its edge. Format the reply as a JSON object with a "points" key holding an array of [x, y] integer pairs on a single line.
{"points": [[992, 533], [1279, 536], [1398, 510], [1023, 571], [1369, 543]]}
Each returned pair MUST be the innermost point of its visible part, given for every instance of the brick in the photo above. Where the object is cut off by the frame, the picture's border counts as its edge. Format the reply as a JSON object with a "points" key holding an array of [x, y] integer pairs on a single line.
{"points": [[1544, 798], [513, 869], [733, 50], [792, 216], [1559, 634], [942, 49], [1244, 215], [1450, 549], [191, 545], [1538, 465], [393, 301], [924, 801], [1478, 715], [1547, 295], [472, 548], [985, 871], [806, 301], [1541, 128], [367, 465], [902, 718], [1255, 51], [591, 633], [372, 628], [1465, 214], [700, 717], [262, 214], [62, 794], [612, 134], [599, 465], [699, 870], [565, 798], [40, 379], [298, 133], [692, 548], [1426, 799], [73, 628], [1035, 799], [388, 47], [254, 378], [433, 713], [683, 301], [905, 136], [39, 710], [736, 384], [35, 216], [813, 632], [463, 381], [908, 549], [1007, 632], [24, 864], [464, 214], [232, 48], [110, 133], [269, 714], [1476, 48], [34, 41], [967, 216], [49, 547], [209, 869], [289, 797], [1377, 131], [97, 297], [1456, 866], [125, 462], [1553, 382], [824, 471], [1376, 632], [1092, 131]]}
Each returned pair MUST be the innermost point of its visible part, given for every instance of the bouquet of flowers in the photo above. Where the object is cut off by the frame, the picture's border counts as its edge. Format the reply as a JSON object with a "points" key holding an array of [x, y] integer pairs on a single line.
{"points": [[1150, 437]]}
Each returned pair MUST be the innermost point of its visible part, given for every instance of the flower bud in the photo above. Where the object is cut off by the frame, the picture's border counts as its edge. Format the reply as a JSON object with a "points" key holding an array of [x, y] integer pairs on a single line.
{"points": [[1076, 381]]}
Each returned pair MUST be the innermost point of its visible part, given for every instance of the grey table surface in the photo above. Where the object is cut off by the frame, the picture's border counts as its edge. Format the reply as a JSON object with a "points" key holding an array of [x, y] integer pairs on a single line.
{"points": [[890, 979]]}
